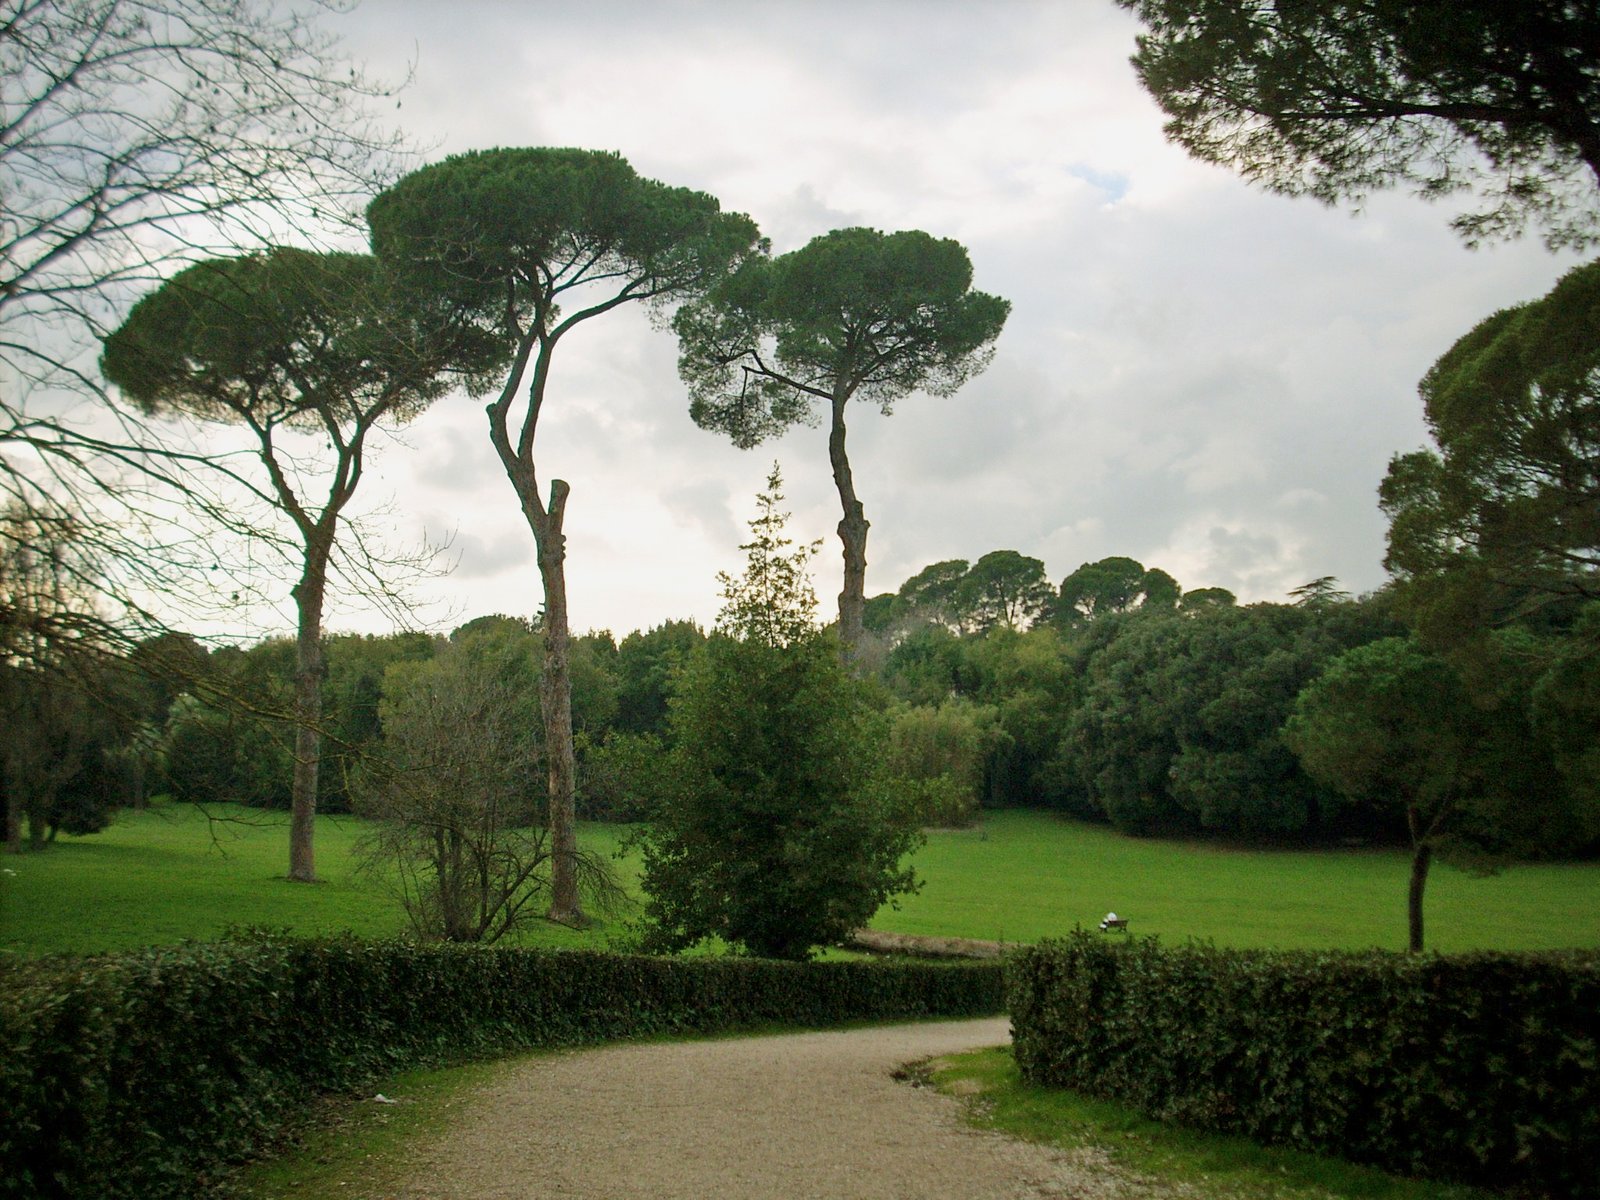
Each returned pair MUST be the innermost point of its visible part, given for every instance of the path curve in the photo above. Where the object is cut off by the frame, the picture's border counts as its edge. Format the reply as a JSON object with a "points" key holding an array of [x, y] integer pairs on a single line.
{"points": [[789, 1115]]}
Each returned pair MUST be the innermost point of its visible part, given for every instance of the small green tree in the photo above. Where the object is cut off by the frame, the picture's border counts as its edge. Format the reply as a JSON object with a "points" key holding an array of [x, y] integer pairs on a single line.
{"points": [[778, 833], [1392, 725]]}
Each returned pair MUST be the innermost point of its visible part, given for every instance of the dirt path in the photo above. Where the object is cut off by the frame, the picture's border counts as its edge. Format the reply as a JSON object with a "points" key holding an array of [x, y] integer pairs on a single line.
{"points": [[792, 1116]]}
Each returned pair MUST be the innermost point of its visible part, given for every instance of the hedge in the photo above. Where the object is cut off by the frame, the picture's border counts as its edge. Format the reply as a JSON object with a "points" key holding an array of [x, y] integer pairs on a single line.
{"points": [[144, 1074], [1478, 1068]]}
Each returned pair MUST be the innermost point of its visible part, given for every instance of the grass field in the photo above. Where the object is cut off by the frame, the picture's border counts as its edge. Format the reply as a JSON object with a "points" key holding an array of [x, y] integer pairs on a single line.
{"points": [[167, 873], [1024, 876]]}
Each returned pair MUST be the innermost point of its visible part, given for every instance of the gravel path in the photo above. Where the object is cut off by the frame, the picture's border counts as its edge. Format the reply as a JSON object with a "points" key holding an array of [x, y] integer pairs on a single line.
{"points": [[793, 1116]]}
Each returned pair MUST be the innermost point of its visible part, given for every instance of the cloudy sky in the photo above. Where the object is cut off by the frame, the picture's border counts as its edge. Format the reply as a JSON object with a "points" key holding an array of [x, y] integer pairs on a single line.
{"points": [[1196, 374]]}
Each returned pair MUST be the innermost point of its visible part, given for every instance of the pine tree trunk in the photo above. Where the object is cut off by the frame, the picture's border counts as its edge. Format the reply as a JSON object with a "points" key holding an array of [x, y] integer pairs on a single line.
{"points": [[853, 526], [308, 672], [555, 703]]}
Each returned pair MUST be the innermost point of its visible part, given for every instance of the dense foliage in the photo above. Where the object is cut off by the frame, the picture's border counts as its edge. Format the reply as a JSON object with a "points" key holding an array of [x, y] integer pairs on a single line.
{"points": [[1501, 522], [1178, 724], [142, 1075], [1479, 1067], [1152, 716]]}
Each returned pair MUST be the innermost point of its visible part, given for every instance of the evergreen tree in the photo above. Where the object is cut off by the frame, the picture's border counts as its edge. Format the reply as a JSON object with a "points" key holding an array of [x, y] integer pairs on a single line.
{"points": [[778, 832]]}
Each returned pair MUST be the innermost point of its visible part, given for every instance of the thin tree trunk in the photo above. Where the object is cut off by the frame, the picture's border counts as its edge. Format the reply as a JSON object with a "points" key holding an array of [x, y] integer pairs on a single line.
{"points": [[308, 671], [555, 702], [13, 821], [1421, 859], [853, 528]]}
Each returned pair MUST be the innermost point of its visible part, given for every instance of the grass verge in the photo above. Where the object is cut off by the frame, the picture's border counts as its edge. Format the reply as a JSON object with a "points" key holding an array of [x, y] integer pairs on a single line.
{"points": [[1165, 1157], [350, 1148]]}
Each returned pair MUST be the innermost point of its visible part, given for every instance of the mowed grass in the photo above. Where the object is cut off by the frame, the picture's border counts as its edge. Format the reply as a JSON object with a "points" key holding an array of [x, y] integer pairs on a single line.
{"points": [[1023, 876], [169, 873], [172, 872]]}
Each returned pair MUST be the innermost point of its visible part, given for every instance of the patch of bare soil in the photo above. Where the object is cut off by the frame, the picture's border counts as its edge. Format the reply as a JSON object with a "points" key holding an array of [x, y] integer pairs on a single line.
{"points": [[792, 1116]]}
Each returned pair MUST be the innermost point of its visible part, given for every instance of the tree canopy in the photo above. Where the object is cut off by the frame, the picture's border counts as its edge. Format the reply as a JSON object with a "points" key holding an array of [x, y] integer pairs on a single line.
{"points": [[1336, 100], [1504, 518], [1118, 584], [1005, 589]]}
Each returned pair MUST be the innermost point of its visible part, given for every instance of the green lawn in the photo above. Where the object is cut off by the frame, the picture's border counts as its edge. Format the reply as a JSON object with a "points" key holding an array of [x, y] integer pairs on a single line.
{"points": [[1024, 876], [167, 874]]}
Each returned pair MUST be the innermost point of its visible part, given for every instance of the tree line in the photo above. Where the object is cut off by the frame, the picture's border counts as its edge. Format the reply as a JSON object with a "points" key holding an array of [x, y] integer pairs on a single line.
{"points": [[1156, 710]]}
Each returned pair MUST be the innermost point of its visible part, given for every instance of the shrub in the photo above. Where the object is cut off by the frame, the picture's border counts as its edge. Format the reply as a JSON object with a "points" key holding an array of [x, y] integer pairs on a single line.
{"points": [[141, 1075], [1479, 1068]]}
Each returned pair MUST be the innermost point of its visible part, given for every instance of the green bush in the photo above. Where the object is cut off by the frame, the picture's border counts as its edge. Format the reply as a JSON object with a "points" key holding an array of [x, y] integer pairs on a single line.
{"points": [[140, 1075], [1480, 1068]]}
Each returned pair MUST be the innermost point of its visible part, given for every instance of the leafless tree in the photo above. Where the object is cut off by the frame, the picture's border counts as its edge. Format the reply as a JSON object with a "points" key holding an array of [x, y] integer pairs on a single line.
{"points": [[457, 824], [137, 136]]}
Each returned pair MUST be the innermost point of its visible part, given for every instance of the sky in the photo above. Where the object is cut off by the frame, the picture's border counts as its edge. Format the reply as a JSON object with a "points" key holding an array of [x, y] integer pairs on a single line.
{"points": [[1195, 374]]}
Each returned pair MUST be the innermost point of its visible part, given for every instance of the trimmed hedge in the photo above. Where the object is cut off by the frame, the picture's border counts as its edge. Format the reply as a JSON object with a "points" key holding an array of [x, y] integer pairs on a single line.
{"points": [[1478, 1068], [142, 1074]]}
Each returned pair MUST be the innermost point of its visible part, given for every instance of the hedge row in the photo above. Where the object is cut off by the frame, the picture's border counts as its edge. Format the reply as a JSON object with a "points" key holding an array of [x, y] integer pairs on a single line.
{"points": [[141, 1074], [1477, 1068]]}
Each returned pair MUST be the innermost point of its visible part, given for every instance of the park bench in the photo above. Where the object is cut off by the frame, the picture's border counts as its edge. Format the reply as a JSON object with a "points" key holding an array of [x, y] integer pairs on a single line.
{"points": [[1113, 921]]}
